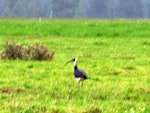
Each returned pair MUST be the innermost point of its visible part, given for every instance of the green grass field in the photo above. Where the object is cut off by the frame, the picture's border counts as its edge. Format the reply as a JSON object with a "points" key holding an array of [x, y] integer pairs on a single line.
{"points": [[114, 53]]}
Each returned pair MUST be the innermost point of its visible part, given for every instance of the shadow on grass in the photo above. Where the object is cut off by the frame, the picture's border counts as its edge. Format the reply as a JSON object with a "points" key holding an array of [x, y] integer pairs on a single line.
{"points": [[11, 91]]}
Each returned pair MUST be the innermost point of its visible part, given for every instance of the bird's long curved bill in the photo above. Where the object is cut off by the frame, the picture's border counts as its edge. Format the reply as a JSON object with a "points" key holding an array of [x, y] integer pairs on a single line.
{"points": [[67, 62]]}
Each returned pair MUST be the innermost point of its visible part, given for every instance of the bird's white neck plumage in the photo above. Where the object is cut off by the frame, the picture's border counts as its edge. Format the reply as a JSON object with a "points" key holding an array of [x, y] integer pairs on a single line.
{"points": [[75, 62]]}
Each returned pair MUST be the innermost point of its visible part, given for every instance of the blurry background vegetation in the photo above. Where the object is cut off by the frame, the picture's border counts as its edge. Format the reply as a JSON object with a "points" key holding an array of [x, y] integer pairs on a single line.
{"points": [[75, 8]]}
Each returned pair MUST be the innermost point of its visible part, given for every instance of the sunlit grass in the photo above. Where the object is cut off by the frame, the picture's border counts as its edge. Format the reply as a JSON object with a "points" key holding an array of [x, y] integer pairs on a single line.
{"points": [[74, 28], [118, 70]]}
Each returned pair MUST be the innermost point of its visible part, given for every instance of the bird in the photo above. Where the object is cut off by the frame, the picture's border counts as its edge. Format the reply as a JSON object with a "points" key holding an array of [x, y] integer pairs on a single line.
{"points": [[79, 74]]}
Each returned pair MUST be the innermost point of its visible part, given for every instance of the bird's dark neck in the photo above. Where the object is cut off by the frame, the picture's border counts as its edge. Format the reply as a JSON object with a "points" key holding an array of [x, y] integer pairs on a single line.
{"points": [[75, 67]]}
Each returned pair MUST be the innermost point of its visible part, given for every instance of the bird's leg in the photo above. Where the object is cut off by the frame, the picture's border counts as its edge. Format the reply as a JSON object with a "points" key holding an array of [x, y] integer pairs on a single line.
{"points": [[82, 83], [79, 82]]}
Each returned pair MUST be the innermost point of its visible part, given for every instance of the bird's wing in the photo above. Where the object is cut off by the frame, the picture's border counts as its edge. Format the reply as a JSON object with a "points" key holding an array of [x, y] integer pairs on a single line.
{"points": [[80, 73]]}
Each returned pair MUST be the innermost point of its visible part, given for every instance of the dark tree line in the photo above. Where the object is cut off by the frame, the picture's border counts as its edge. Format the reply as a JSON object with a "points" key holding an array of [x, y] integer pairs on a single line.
{"points": [[64, 8], [75, 8]]}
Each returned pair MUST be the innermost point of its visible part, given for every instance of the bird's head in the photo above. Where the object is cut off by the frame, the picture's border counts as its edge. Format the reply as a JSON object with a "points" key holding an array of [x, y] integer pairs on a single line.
{"points": [[72, 60]]}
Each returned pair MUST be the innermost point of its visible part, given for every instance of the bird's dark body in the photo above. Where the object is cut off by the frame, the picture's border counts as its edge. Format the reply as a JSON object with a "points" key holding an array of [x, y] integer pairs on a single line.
{"points": [[78, 73]]}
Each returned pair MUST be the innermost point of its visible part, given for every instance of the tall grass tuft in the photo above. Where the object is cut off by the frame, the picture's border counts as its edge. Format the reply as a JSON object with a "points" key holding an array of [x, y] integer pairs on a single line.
{"points": [[39, 52], [15, 51]]}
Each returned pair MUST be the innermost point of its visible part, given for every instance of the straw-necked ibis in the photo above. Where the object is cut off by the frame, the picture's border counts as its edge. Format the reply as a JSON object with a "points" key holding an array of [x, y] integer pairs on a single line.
{"points": [[79, 74]]}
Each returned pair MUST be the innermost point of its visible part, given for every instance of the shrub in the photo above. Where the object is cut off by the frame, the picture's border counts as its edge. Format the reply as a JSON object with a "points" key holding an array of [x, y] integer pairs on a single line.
{"points": [[39, 52], [13, 51], [36, 52]]}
